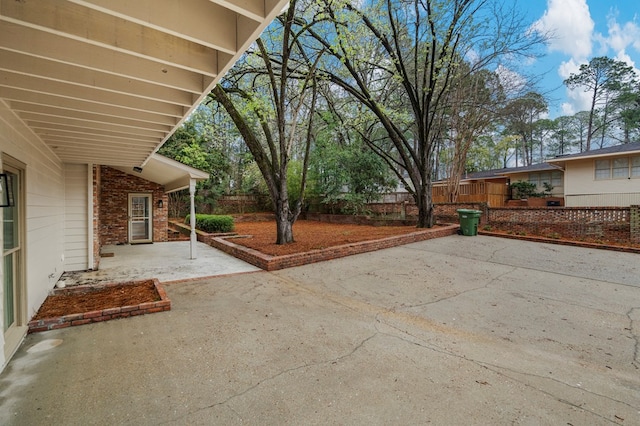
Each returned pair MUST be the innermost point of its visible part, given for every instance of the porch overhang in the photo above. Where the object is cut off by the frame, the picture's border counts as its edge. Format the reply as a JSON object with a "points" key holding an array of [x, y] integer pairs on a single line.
{"points": [[108, 81], [169, 173]]}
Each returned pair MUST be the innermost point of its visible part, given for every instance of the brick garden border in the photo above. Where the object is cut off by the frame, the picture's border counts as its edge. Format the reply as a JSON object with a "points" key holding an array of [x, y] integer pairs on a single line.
{"points": [[45, 324], [273, 263], [559, 241]]}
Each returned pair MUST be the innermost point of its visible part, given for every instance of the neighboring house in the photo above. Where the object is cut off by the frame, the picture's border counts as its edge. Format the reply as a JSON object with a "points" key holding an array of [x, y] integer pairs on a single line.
{"points": [[538, 174], [88, 92], [492, 186], [602, 177]]}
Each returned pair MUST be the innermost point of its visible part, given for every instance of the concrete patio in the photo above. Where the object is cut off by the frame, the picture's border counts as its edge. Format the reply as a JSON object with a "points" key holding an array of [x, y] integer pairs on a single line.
{"points": [[167, 261], [455, 331]]}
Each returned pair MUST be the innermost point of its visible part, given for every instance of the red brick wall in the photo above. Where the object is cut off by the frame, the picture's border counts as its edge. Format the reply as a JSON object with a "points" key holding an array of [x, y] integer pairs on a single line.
{"points": [[634, 221], [114, 199], [593, 223]]}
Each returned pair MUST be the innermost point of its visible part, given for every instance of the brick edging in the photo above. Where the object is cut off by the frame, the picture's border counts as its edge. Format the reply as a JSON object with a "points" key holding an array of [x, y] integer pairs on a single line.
{"points": [[273, 263], [624, 249], [45, 324]]}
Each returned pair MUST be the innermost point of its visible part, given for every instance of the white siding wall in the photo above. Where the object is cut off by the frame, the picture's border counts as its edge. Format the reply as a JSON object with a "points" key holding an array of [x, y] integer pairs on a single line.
{"points": [[581, 189], [44, 179], [76, 246]]}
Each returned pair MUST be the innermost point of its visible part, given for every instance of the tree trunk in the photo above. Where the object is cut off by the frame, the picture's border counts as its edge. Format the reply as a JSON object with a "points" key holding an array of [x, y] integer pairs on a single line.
{"points": [[284, 224], [424, 203]]}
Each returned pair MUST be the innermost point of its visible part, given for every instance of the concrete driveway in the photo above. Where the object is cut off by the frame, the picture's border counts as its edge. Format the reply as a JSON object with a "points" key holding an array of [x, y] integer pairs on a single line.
{"points": [[457, 330]]}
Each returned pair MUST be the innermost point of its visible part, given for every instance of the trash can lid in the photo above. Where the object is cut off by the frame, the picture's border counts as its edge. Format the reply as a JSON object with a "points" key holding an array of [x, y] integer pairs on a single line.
{"points": [[468, 211]]}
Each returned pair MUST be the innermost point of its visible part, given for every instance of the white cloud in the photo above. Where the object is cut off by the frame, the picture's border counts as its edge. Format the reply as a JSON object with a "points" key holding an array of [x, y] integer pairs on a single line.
{"points": [[570, 25], [620, 37], [569, 67], [511, 80], [568, 109]]}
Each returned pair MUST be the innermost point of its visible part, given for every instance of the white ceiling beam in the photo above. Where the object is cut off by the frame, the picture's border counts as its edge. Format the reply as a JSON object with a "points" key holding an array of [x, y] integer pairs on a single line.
{"points": [[250, 8], [57, 71], [38, 43], [199, 21], [98, 96], [74, 156], [88, 134], [30, 101], [59, 142], [55, 115], [91, 26], [72, 124]]}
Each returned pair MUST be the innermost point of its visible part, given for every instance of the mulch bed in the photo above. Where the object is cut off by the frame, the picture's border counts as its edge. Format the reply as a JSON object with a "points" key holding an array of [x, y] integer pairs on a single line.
{"points": [[87, 299], [311, 235]]}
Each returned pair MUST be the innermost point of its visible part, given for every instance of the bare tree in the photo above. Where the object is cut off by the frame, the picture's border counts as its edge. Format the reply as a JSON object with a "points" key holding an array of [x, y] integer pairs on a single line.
{"points": [[423, 43], [474, 102], [266, 99]]}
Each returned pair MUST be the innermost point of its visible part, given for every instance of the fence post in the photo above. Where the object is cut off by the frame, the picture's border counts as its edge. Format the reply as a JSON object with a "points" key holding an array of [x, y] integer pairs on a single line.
{"points": [[634, 224]]}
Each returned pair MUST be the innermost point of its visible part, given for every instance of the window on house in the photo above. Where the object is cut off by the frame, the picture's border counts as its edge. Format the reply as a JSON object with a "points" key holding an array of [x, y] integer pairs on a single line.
{"points": [[553, 178], [620, 168], [635, 166], [603, 169]]}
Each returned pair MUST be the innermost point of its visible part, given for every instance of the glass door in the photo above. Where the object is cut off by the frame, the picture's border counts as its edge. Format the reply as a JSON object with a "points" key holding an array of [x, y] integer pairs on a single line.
{"points": [[140, 220], [12, 258]]}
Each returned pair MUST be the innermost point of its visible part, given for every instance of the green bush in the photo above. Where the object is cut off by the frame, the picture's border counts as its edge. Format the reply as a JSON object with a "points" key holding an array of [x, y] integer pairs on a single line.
{"points": [[522, 189], [212, 223]]}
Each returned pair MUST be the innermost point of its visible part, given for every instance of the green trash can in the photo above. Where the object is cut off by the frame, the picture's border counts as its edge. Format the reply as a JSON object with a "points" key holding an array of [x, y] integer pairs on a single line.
{"points": [[469, 220]]}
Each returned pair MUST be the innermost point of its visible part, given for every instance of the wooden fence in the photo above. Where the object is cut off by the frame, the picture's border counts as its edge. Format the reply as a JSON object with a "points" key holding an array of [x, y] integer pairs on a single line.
{"points": [[494, 194]]}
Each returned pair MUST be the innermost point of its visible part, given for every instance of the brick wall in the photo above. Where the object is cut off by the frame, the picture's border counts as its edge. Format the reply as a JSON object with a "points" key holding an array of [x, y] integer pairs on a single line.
{"points": [[272, 263], [634, 224], [114, 191], [594, 223]]}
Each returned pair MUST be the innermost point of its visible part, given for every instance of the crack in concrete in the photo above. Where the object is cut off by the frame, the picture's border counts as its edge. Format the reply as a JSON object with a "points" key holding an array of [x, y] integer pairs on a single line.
{"points": [[494, 279], [499, 370], [275, 376], [634, 332]]}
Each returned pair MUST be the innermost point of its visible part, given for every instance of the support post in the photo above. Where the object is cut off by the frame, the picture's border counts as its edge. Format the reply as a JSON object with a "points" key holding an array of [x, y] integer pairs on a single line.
{"points": [[192, 218]]}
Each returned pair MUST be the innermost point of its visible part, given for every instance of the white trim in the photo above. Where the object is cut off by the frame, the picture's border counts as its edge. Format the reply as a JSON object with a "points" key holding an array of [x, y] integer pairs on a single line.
{"points": [[149, 197], [90, 219], [192, 219]]}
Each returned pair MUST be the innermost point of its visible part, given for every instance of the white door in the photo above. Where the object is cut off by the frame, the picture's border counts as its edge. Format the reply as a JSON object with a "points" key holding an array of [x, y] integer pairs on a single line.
{"points": [[13, 299], [140, 219]]}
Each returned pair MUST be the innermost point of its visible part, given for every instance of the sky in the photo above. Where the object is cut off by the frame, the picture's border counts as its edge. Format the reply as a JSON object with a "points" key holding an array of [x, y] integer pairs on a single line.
{"points": [[582, 30]]}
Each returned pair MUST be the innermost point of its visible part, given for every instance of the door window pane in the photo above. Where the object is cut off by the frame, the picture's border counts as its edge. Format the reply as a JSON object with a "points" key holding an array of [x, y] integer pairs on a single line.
{"points": [[9, 295], [10, 218]]}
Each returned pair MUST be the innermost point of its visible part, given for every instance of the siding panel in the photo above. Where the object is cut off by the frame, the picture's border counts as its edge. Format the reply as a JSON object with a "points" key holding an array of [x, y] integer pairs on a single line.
{"points": [[76, 246]]}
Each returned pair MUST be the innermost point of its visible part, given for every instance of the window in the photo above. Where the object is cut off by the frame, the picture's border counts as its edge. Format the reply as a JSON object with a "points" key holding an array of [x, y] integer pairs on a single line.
{"points": [[618, 168], [540, 178], [635, 166], [621, 168], [603, 169]]}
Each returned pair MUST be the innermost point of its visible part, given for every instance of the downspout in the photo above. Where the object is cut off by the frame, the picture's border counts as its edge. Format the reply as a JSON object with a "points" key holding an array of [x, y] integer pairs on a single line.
{"points": [[192, 218]]}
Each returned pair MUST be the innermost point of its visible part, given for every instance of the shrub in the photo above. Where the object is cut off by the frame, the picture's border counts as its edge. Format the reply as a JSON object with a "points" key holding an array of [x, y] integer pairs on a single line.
{"points": [[212, 223], [522, 189]]}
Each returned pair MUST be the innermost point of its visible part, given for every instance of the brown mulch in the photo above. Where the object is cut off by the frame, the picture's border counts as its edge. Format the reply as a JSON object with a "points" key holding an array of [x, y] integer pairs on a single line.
{"points": [[96, 299], [308, 235], [311, 235]]}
